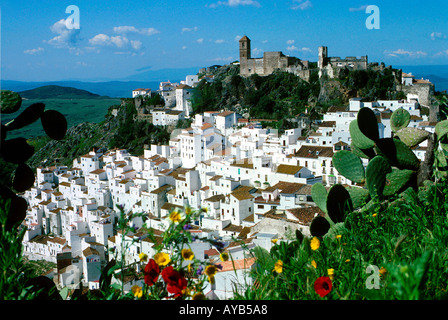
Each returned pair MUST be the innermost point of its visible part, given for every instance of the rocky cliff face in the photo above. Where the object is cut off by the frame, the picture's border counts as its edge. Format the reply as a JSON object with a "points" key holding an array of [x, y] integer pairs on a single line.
{"points": [[79, 140]]}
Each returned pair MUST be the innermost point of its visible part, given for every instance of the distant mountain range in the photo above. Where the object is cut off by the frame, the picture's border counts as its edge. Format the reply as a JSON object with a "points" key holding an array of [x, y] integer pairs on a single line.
{"points": [[120, 88], [123, 88], [58, 92], [113, 89]]}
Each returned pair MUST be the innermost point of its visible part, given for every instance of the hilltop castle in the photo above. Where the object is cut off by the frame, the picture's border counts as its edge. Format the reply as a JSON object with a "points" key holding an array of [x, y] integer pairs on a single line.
{"points": [[271, 61], [276, 60]]}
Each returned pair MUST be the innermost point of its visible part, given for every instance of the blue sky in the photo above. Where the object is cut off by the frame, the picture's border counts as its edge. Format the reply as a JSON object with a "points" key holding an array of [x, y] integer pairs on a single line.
{"points": [[118, 39]]}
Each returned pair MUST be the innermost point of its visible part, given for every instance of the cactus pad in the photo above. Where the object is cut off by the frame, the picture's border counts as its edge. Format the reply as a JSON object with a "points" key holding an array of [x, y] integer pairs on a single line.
{"points": [[358, 138], [319, 226], [319, 195], [368, 123], [376, 172], [338, 203], [397, 153], [397, 180], [441, 131], [399, 119], [412, 136], [349, 165], [359, 196]]}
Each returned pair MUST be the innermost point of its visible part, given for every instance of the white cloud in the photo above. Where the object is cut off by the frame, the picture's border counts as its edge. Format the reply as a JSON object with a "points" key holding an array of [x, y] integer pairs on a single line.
{"points": [[132, 29], [136, 44], [402, 52], [292, 48], [290, 42], [200, 40], [219, 41], [189, 29], [121, 42], [301, 5], [65, 38], [100, 40], [34, 51], [234, 3], [184, 47], [257, 51], [237, 38], [361, 8], [264, 41], [438, 36]]}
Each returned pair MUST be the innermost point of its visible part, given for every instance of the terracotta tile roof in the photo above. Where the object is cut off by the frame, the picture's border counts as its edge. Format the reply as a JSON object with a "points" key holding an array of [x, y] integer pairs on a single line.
{"points": [[216, 198], [236, 264], [225, 113], [314, 152], [243, 163], [162, 189], [242, 195], [288, 169]]}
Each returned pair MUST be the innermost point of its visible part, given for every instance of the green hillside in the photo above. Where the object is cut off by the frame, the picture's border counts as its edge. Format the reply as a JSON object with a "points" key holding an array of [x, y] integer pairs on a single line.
{"points": [[57, 92]]}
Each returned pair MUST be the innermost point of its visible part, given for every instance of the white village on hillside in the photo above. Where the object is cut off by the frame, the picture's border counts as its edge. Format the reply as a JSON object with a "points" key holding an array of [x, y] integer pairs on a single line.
{"points": [[254, 184]]}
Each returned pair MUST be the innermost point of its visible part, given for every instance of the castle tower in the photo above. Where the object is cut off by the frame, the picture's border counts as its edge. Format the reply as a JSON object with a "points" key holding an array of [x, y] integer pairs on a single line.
{"points": [[323, 56], [244, 48], [244, 55]]}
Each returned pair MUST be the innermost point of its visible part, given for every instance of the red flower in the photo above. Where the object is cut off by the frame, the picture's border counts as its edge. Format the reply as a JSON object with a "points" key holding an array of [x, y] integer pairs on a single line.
{"points": [[323, 286], [175, 283], [151, 272]]}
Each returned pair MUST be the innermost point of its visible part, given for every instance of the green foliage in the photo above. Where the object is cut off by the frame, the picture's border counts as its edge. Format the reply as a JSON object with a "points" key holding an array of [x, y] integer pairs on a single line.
{"points": [[10, 101], [133, 134], [406, 243]]}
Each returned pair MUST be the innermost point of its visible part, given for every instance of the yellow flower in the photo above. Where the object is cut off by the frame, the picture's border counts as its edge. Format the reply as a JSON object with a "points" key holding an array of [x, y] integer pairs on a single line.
{"points": [[374, 215], [274, 241], [143, 257], [224, 256], [383, 271], [187, 210], [198, 296], [315, 243], [331, 273], [187, 254], [137, 291], [278, 267], [176, 216], [314, 264], [162, 258], [348, 260], [338, 236], [210, 271]]}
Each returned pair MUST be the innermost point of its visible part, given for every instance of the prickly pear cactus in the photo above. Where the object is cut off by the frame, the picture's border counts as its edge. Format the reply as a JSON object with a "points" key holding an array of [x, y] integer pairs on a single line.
{"points": [[349, 165], [397, 180], [397, 153], [319, 195], [399, 119], [368, 123], [338, 203], [376, 172], [412, 136], [358, 138]]}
